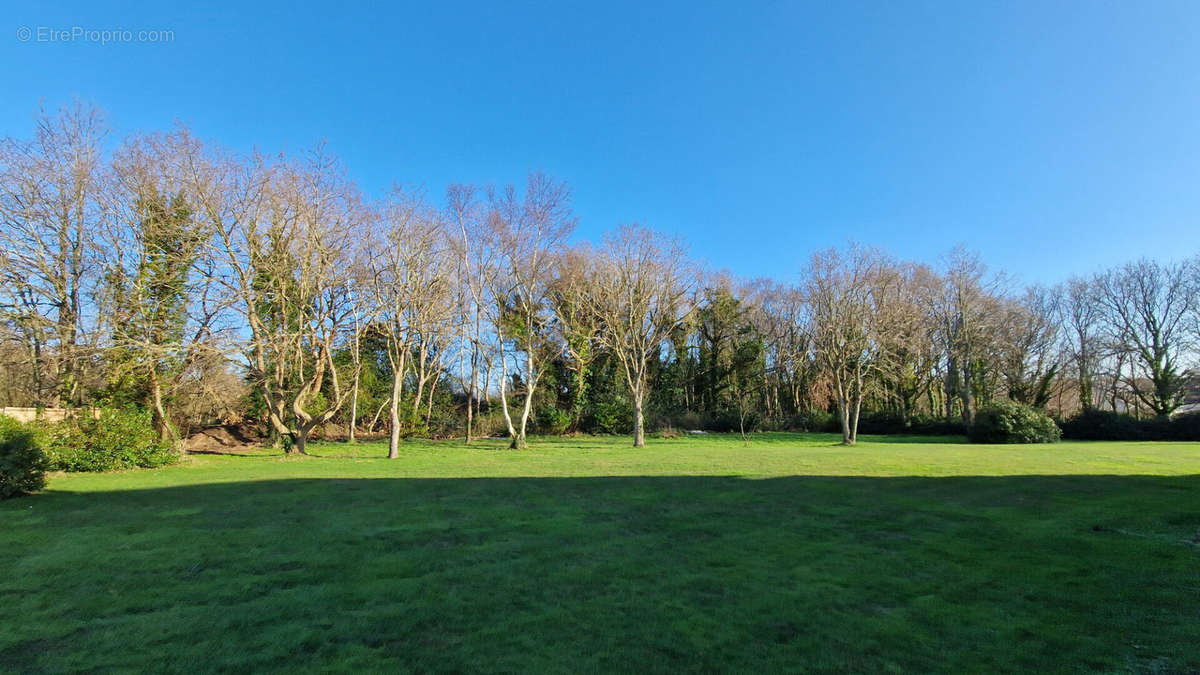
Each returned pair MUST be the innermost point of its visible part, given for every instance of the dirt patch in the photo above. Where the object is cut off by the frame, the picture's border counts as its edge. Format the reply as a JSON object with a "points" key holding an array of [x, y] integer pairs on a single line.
{"points": [[228, 438]]}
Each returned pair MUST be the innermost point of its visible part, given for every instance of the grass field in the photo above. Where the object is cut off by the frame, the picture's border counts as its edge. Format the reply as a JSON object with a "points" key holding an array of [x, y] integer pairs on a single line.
{"points": [[583, 555]]}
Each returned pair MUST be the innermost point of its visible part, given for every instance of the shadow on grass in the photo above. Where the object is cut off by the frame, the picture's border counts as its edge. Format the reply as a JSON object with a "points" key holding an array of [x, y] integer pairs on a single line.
{"points": [[613, 573]]}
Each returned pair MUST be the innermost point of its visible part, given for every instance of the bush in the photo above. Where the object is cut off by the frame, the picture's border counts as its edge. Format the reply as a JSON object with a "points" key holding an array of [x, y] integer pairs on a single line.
{"points": [[551, 421], [23, 463], [121, 438], [1105, 425], [609, 417], [1011, 422]]}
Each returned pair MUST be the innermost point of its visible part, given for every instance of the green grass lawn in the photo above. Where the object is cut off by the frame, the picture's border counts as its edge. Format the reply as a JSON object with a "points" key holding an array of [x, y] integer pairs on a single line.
{"points": [[583, 555]]}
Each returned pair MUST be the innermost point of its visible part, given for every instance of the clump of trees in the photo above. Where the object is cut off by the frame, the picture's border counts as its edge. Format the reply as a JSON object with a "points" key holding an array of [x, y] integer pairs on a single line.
{"points": [[206, 286]]}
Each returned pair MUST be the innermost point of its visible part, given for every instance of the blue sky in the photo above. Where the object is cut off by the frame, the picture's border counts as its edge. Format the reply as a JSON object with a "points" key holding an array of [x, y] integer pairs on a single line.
{"points": [[1052, 138]]}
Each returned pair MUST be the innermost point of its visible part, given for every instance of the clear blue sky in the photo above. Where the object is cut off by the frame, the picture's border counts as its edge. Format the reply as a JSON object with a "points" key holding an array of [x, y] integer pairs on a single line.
{"points": [[1053, 138]]}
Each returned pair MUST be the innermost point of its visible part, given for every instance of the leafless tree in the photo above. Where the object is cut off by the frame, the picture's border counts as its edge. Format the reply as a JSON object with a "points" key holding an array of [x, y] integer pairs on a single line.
{"points": [[52, 201], [465, 217], [787, 328], [527, 231], [285, 232], [1028, 335], [411, 272], [1080, 319], [907, 353], [965, 312], [1147, 306], [845, 292], [642, 290]]}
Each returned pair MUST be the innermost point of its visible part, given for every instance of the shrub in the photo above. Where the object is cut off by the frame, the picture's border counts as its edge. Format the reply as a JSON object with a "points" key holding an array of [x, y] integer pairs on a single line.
{"points": [[121, 438], [609, 417], [23, 463], [1011, 422], [552, 421]]}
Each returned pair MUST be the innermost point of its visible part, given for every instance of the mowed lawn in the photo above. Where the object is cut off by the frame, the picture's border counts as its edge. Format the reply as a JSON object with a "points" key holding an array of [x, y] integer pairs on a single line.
{"points": [[585, 555]]}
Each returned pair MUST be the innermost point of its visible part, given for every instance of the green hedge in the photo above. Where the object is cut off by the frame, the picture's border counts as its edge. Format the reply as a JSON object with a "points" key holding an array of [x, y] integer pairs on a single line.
{"points": [[1104, 425]]}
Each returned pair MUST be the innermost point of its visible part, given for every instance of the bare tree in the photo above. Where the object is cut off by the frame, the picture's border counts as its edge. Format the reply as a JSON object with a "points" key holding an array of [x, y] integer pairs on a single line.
{"points": [[1028, 335], [643, 288], [52, 199], [360, 310], [787, 329], [285, 233], [844, 291], [526, 231], [1080, 318], [965, 314], [412, 277], [1146, 308], [475, 271], [907, 354]]}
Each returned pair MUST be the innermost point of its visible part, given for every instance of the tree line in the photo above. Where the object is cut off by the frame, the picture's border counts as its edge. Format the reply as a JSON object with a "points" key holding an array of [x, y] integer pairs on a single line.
{"points": [[205, 285]]}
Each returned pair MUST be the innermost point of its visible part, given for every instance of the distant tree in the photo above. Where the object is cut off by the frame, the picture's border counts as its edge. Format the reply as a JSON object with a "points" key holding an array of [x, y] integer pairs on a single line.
{"points": [[1147, 307], [412, 276], [642, 292], [907, 353], [286, 234], [965, 314], [786, 326], [1029, 336], [53, 193], [577, 321], [1080, 315], [476, 270], [843, 291], [745, 374], [164, 304], [527, 231]]}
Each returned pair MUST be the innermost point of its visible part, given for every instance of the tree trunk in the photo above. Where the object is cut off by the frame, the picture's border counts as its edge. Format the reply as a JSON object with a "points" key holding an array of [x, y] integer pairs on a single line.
{"points": [[639, 425], [394, 409], [432, 390], [300, 442], [519, 441], [530, 385], [158, 410], [470, 393], [844, 414], [275, 421], [394, 439], [854, 418], [512, 432], [354, 407]]}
